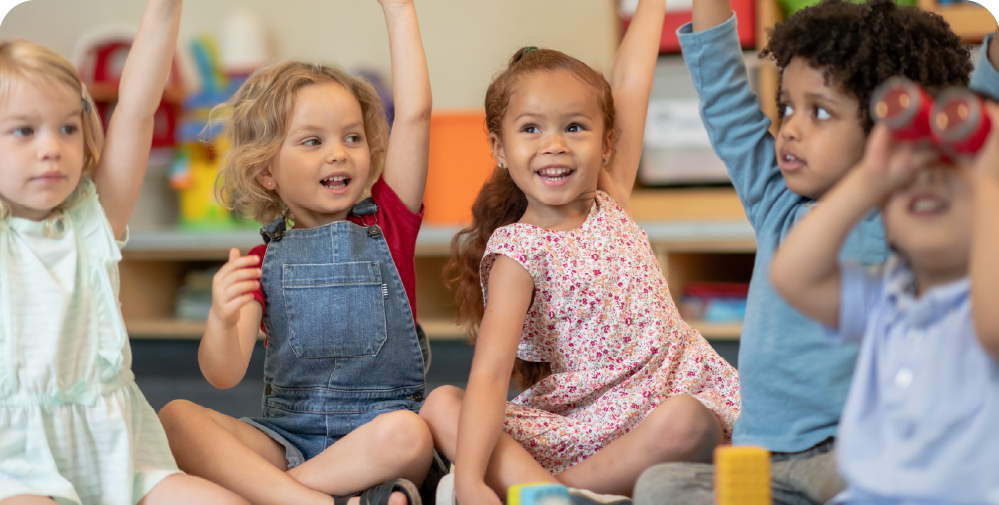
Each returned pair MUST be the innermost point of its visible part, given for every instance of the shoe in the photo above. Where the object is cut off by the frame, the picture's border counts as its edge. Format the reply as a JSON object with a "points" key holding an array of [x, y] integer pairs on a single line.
{"points": [[445, 491], [379, 495], [585, 497]]}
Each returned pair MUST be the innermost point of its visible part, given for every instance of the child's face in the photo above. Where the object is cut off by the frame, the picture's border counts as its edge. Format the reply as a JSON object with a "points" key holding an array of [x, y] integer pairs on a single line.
{"points": [[553, 140], [323, 164], [929, 221], [821, 136], [41, 148]]}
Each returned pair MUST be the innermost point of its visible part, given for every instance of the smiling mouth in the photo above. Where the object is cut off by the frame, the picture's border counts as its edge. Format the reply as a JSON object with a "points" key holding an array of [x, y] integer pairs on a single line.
{"points": [[555, 174], [927, 206], [336, 182]]}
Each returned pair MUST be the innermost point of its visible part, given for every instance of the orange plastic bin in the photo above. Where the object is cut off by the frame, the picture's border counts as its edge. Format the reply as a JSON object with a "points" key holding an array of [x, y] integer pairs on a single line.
{"points": [[460, 162]]}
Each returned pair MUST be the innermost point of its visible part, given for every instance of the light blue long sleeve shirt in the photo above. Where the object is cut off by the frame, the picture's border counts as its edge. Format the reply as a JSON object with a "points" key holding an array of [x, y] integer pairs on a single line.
{"points": [[794, 380], [920, 420]]}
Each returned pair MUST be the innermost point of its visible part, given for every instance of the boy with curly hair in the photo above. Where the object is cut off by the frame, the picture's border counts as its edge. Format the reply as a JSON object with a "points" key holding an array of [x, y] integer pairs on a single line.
{"points": [[831, 56]]}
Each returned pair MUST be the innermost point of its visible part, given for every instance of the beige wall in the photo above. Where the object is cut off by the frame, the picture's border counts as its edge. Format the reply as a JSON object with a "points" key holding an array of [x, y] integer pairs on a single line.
{"points": [[467, 41]]}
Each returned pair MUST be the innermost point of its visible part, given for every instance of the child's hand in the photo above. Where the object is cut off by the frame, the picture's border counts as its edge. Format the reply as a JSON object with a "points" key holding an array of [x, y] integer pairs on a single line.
{"points": [[892, 163], [231, 284], [474, 492], [986, 164]]}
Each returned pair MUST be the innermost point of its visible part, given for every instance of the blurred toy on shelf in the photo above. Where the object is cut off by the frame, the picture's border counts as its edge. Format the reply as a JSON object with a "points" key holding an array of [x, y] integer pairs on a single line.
{"points": [[714, 302], [194, 298]]}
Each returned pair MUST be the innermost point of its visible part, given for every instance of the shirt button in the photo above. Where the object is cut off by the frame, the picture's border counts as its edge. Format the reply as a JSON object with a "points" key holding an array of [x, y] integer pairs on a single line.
{"points": [[903, 378]]}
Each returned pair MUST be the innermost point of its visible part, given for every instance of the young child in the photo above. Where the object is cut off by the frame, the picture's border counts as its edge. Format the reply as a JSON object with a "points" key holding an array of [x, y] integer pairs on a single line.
{"points": [[344, 372], [74, 427], [919, 423], [831, 56], [614, 380]]}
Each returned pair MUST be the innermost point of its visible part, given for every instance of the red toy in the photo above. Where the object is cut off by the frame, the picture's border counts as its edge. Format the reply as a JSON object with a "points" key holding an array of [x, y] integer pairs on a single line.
{"points": [[956, 121]]}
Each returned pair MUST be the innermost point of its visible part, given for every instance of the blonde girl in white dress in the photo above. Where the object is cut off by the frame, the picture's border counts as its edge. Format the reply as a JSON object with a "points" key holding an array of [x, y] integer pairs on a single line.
{"points": [[74, 428]]}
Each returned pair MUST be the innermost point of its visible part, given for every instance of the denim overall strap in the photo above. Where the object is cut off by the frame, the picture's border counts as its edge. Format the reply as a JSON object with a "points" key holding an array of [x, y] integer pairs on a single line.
{"points": [[341, 331]]}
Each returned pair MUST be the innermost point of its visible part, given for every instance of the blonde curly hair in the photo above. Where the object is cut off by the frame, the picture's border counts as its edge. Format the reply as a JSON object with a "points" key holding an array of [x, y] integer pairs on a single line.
{"points": [[23, 60], [255, 123]]}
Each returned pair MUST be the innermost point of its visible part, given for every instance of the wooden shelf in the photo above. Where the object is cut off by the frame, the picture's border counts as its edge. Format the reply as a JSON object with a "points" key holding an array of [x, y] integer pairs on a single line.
{"points": [[182, 329], [969, 21], [689, 220], [717, 331]]}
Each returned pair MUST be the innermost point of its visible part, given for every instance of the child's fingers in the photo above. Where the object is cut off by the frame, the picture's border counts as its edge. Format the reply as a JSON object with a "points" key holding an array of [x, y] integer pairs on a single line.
{"points": [[238, 263], [242, 274], [238, 289]]}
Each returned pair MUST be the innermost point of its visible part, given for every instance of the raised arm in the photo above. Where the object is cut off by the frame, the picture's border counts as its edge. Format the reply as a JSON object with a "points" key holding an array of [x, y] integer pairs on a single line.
{"points": [[122, 166], [409, 145], [805, 269], [631, 84], [984, 268], [482, 411]]}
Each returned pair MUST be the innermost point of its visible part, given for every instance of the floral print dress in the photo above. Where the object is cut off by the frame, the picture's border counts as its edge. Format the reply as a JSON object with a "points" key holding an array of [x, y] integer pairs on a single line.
{"points": [[603, 318]]}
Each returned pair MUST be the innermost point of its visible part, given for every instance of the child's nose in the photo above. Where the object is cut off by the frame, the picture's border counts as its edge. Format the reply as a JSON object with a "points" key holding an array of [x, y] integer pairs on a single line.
{"points": [[555, 144], [789, 128], [49, 147]]}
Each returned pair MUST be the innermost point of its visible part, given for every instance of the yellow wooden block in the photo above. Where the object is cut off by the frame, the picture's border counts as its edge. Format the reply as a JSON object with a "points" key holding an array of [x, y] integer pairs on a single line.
{"points": [[742, 475]]}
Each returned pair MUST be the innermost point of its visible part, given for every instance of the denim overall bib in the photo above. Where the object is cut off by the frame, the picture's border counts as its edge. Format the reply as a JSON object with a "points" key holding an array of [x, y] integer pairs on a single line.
{"points": [[342, 346]]}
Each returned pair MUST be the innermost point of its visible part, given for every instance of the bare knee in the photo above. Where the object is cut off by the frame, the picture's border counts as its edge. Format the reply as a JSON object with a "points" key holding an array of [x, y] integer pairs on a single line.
{"points": [[179, 413], [405, 435], [683, 429], [442, 407]]}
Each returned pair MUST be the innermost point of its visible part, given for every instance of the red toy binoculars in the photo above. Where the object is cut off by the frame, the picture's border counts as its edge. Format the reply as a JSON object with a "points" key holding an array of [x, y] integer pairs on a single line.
{"points": [[956, 121]]}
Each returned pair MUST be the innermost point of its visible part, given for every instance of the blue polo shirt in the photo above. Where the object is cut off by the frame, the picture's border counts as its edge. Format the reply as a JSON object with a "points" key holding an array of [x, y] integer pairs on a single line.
{"points": [[920, 420]]}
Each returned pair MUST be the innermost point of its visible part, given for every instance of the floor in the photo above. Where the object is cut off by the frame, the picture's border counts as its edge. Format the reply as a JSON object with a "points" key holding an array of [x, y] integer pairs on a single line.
{"points": [[168, 369]]}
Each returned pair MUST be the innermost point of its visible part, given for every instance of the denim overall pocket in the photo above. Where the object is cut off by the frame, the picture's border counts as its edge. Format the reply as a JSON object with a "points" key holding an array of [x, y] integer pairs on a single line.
{"points": [[335, 310]]}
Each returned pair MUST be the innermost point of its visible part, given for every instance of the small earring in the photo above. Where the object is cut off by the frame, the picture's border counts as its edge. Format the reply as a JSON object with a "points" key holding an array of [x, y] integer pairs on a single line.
{"points": [[605, 161], [501, 165]]}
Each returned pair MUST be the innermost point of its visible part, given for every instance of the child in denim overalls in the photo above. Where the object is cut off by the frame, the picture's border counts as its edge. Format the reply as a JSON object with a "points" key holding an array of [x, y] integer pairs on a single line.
{"points": [[344, 369]]}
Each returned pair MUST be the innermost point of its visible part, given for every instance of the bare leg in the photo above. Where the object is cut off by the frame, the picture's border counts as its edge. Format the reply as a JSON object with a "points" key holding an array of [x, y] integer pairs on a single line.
{"points": [[27, 499], [510, 463], [190, 490], [393, 445], [233, 454], [679, 429]]}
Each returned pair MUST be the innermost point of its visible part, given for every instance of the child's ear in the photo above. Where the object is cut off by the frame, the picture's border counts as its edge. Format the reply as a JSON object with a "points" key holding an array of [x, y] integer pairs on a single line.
{"points": [[496, 145], [266, 179], [608, 149]]}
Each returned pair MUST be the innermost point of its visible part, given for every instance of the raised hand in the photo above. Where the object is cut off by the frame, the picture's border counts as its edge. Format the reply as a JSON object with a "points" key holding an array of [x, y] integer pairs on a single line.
{"points": [[231, 286]]}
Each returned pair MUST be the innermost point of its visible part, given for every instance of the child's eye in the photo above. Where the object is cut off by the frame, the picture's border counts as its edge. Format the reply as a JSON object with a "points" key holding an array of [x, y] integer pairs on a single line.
{"points": [[530, 129], [311, 142], [24, 131], [822, 114], [787, 110], [575, 128], [353, 139], [69, 129]]}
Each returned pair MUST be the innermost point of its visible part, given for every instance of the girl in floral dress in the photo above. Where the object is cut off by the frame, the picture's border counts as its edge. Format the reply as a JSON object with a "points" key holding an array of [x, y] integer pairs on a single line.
{"points": [[572, 303]]}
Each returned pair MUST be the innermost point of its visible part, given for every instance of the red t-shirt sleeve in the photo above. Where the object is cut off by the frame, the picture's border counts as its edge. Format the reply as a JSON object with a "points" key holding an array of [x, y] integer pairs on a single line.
{"points": [[258, 294], [400, 226]]}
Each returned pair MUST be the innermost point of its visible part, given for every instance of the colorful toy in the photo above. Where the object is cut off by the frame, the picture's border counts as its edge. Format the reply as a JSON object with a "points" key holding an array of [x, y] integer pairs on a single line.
{"points": [[539, 493], [955, 122], [742, 475]]}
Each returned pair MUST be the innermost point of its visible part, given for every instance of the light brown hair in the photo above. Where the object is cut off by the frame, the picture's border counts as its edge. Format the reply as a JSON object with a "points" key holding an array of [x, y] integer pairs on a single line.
{"points": [[255, 124], [26, 61]]}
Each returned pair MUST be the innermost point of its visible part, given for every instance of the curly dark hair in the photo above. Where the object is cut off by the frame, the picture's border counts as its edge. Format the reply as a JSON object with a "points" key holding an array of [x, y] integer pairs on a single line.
{"points": [[858, 46]]}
